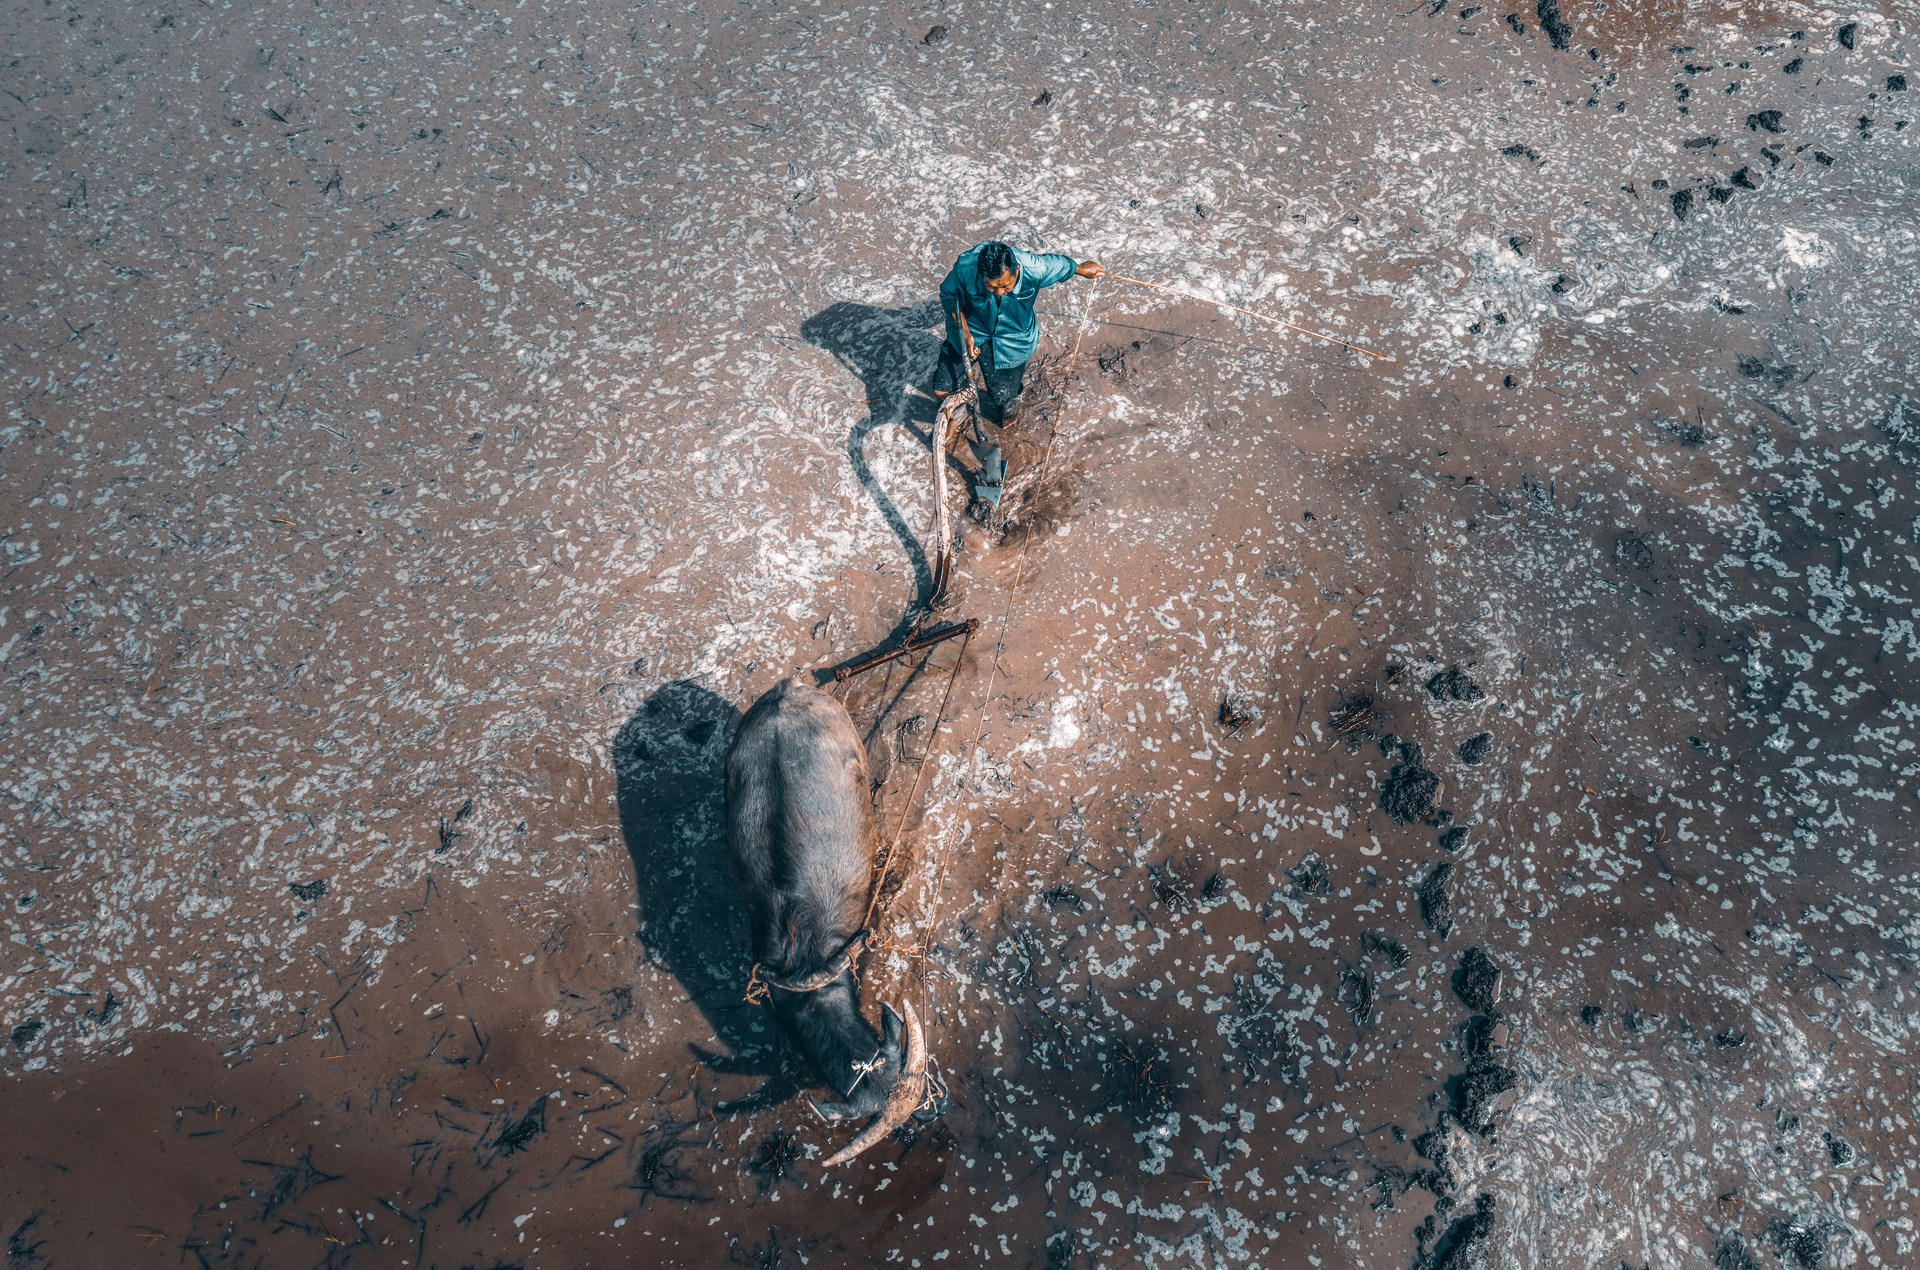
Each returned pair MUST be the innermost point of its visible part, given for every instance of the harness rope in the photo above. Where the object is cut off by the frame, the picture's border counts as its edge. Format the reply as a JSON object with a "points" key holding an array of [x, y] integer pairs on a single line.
{"points": [[1046, 460], [1142, 282], [913, 794], [759, 987]]}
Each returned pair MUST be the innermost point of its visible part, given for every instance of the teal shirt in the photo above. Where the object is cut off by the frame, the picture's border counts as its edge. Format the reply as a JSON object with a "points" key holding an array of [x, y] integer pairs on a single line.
{"points": [[1006, 320]]}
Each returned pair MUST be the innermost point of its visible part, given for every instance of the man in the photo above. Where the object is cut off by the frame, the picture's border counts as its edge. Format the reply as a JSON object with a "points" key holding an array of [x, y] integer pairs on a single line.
{"points": [[993, 287]]}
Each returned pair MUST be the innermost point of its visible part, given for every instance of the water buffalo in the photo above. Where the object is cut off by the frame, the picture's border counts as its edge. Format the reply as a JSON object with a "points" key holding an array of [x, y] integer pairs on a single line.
{"points": [[800, 843]]}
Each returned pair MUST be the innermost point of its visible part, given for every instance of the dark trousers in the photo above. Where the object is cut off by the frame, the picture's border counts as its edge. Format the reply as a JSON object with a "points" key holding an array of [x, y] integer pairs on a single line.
{"points": [[1003, 382]]}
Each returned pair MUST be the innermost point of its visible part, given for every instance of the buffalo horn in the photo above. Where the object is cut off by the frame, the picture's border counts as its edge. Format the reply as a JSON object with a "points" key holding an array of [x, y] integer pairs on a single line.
{"points": [[902, 1100]]}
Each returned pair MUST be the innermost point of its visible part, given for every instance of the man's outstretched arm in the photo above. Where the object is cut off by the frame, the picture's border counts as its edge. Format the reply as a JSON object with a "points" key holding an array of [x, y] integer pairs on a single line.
{"points": [[1045, 269]]}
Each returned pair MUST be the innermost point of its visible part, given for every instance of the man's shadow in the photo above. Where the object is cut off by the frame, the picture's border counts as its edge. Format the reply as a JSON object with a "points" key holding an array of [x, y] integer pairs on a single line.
{"points": [[669, 761], [887, 349]]}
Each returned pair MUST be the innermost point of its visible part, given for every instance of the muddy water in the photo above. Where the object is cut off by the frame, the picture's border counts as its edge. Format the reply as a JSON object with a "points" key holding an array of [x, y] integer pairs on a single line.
{"points": [[430, 428]]}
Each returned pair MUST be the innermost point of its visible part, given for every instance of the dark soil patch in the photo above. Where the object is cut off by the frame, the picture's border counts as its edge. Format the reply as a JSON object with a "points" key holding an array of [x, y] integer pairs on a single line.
{"points": [[1468, 1245], [1478, 983], [1408, 793], [1548, 11], [104, 1014], [1453, 684], [1436, 901], [1479, 1098], [1800, 1244], [1138, 1080]]}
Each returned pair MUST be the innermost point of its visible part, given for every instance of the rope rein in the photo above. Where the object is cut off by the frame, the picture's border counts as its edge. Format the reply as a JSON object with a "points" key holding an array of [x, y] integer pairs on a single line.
{"points": [[1046, 461], [1142, 282], [913, 794]]}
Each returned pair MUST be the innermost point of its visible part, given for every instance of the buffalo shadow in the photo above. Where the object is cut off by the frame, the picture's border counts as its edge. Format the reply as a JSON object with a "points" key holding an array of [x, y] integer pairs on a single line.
{"points": [[669, 761]]}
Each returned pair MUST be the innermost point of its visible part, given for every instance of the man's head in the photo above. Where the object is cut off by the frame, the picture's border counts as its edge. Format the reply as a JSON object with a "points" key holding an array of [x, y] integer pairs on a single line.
{"points": [[997, 269]]}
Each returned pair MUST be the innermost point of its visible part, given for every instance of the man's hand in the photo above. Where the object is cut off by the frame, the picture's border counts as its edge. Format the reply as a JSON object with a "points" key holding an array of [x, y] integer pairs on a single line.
{"points": [[1090, 269]]}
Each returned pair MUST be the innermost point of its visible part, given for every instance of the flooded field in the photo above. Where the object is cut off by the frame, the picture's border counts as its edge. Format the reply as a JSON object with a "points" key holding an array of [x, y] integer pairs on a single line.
{"points": [[1444, 812]]}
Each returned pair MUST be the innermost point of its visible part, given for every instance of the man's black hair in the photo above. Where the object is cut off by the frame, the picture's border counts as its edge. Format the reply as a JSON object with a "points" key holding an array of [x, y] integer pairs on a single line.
{"points": [[994, 260]]}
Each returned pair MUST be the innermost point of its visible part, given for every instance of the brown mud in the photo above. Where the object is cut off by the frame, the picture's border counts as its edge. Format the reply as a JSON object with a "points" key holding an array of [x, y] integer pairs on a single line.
{"points": [[1448, 813]]}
